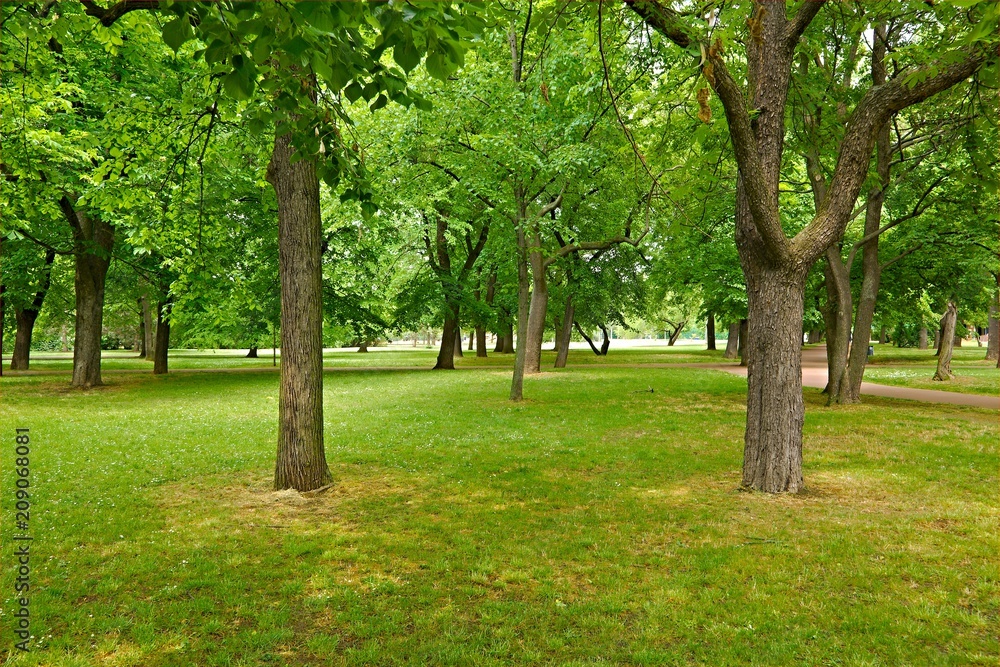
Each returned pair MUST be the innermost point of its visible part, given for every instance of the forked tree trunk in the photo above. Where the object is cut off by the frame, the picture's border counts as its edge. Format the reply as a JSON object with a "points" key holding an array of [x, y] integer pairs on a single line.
{"points": [[710, 331], [733, 342], [565, 333], [922, 339], [163, 309], [480, 341], [943, 371], [301, 459], [148, 331], [676, 333], [772, 455], [93, 239]]}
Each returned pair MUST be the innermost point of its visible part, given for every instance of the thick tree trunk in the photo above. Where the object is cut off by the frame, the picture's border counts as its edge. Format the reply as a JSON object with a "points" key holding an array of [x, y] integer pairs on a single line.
{"points": [[814, 336], [676, 333], [162, 337], [947, 342], [922, 339], [772, 456], [148, 330], [993, 331], [446, 352], [565, 333], [252, 352], [710, 331], [26, 319], [481, 341], [883, 335], [508, 339], [301, 459], [538, 308], [733, 342], [458, 341], [93, 240]]}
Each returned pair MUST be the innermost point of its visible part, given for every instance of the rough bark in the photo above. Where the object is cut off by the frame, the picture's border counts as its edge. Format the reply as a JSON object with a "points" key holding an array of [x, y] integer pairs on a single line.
{"points": [[26, 317], [744, 351], [943, 372], [163, 309], [93, 239], [565, 333], [772, 455], [733, 342], [710, 331], [301, 459]]}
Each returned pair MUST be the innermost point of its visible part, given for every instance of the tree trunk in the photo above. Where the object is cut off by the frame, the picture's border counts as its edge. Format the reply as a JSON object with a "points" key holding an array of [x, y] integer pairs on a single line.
{"points": [[676, 333], [252, 352], [148, 331], [814, 336], [162, 337], [744, 351], [587, 338], [883, 335], [922, 339], [523, 306], [363, 346], [538, 308], [772, 455], [470, 340], [606, 343], [733, 342], [959, 338], [446, 352], [947, 342], [838, 320], [93, 239], [993, 331], [480, 341], [26, 319], [458, 341], [710, 331], [565, 333], [508, 339], [301, 459], [141, 341]]}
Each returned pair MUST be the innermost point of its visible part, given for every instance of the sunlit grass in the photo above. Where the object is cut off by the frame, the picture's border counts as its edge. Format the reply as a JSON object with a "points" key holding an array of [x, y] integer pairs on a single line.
{"points": [[594, 522]]}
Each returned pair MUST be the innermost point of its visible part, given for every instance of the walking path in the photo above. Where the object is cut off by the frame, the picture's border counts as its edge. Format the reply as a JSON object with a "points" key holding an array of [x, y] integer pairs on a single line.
{"points": [[814, 374]]}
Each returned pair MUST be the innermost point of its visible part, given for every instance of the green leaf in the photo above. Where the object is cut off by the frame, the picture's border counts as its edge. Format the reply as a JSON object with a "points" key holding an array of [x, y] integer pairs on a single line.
{"points": [[237, 85], [379, 102], [406, 55], [176, 32], [353, 91]]}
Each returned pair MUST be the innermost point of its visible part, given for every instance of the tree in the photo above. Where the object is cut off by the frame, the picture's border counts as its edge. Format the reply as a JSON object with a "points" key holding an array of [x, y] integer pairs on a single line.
{"points": [[776, 266]]}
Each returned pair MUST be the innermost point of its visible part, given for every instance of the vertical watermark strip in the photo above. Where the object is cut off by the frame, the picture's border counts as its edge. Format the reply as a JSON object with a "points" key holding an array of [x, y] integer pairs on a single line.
{"points": [[22, 538]]}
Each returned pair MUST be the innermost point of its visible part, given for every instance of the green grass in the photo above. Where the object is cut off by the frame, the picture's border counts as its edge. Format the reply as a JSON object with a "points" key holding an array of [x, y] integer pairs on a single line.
{"points": [[909, 367], [592, 523]]}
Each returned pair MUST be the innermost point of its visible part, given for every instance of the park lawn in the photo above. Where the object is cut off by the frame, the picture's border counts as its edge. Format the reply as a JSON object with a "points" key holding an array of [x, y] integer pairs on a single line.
{"points": [[593, 522], [909, 367], [394, 357]]}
